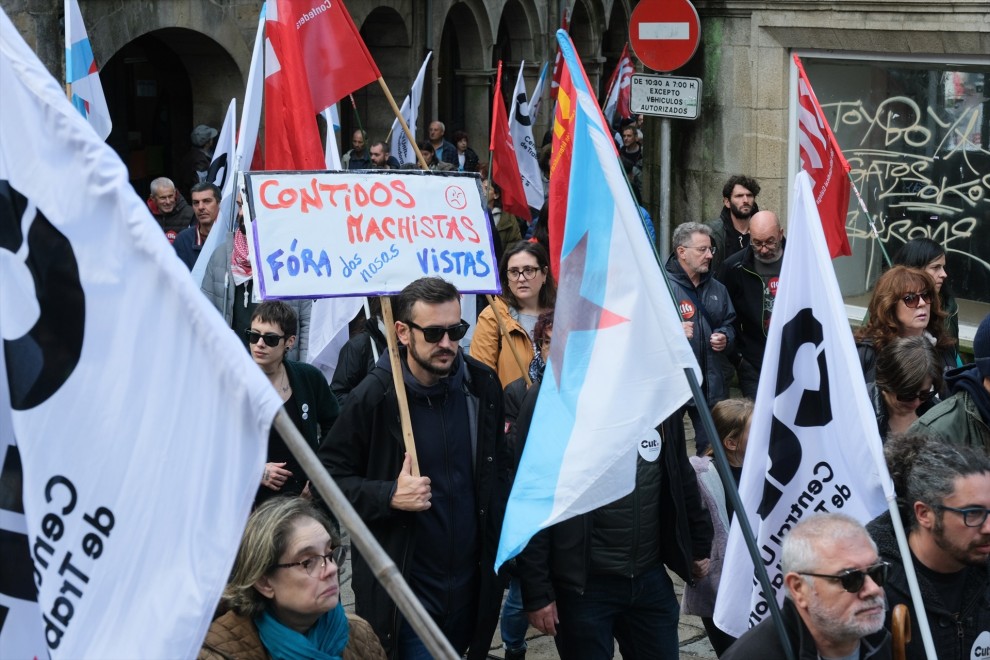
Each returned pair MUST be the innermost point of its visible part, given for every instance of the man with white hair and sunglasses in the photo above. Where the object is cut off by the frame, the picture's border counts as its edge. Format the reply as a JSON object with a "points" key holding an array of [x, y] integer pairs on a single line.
{"points": [[834, 607]]}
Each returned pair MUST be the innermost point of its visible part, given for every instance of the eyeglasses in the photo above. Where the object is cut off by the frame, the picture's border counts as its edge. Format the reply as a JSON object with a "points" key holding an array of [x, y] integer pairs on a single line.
{"points": [[770, 243], [271, 339], [702, 248], [435, 333], [973, 516], [527, 273], [853, 579], [319, 562], [923, 397], [912, 300]]}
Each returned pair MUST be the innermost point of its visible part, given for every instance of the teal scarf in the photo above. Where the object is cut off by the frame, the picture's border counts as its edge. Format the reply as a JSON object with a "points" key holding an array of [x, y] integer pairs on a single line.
{"points": [[324, 641]]}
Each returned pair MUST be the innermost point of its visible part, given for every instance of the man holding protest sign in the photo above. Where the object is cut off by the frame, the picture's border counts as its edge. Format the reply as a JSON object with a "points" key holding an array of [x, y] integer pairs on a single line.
{"points": [[439, 523]]}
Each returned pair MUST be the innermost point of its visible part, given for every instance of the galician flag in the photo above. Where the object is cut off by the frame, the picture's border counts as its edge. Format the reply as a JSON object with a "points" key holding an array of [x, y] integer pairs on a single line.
{"points": [[813, 444], [82, 73], [400, 148], [133, 425], [618, 357], [521, 132]]}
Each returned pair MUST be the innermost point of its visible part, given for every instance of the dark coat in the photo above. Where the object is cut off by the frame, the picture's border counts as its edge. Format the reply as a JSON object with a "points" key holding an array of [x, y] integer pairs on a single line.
{"points": [[952, 633], [715, 298], [356, 360], [763, 641], [746, 291], [559, 557], [364, 454]]}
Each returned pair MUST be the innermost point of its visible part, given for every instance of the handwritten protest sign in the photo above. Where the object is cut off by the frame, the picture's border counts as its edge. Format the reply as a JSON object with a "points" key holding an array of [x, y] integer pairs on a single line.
{"points": [[327, 234]]}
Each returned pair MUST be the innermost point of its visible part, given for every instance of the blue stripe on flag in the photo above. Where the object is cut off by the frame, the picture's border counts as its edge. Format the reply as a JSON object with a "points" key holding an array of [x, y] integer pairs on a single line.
{"points": [[79, 60]]}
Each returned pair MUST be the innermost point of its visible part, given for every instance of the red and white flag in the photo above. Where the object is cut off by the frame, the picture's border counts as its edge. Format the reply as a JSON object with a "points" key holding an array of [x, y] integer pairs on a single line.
{"points": [[336, 60], [292, 140], [619, 95], [822, 158], [558, 61], [505, 167]]}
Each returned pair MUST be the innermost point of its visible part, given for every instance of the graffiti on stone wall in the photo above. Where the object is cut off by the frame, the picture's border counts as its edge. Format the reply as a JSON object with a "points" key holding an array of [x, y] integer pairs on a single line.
{"points": [[923, 171]]}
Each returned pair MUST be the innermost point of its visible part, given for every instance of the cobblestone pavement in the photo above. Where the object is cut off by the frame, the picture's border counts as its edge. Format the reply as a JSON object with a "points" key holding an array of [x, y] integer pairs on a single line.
{"points": [[694, 641]]}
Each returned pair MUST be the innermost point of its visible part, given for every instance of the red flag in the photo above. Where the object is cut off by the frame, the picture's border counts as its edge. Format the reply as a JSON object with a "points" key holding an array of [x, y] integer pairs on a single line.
{"points": [[558, 61], [822, 159], [505, 167], [292, 140], [619, 95], [560, 164], [336, 60]]}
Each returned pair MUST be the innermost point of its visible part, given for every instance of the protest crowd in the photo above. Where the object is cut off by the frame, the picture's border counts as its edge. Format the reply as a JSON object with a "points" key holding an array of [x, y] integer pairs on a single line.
{"points": [[480, 379]]}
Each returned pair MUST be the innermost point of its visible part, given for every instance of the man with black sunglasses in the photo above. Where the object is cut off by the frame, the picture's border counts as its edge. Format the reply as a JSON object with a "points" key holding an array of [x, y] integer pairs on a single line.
{"points": [[834, 605], [441, 528], [944, 499]]}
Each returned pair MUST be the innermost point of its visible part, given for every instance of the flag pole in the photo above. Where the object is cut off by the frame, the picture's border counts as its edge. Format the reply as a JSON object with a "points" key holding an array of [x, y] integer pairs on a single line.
{"points": [[405, 126], [381, 565], [400, 385], [512, 347], [869, 218], [357, 117], [912, 579]]}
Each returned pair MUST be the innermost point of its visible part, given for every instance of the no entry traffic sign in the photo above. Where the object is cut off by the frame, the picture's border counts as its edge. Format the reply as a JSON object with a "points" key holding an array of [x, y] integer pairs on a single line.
{"points": [[664, 33]]}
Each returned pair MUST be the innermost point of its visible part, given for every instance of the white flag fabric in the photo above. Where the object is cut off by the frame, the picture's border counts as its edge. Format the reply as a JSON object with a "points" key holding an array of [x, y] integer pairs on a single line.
{"points": [[536, 99], [247, 135], [521, 131], [331, 153], [223, 175], [813, 446], [400, 147], [140, 422], [81, 72], [618, 358]]}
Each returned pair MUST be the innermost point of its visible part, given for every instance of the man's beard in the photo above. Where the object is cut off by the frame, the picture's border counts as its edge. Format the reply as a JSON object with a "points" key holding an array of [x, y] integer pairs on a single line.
{"points": [[964, 555], [741, 215], [425, 363]]}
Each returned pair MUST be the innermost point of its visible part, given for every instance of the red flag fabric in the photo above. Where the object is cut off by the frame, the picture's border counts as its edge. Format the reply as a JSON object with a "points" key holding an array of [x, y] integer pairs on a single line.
{"points": [[336, 60], [822, 159], [505, 167], [558, 61], [292, 140], [560, 164], [619, 95]]}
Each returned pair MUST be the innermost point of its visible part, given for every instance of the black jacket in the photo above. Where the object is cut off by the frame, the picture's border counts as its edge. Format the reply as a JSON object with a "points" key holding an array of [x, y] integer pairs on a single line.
{"points": [[364, 454], [713, 295], [953, 634], [746, 291], [559, 557], [356, 360], [762, 641]]}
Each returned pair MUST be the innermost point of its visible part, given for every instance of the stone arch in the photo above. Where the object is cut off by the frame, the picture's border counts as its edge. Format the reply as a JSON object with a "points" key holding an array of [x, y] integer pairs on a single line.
{"points": [[463, 71], [160, 85], [614, 38], [587, 28], [387, 37]]}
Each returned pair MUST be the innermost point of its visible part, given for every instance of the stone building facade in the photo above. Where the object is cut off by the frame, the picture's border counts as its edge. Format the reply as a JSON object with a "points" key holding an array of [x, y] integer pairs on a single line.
{"points": [[903, 82]]}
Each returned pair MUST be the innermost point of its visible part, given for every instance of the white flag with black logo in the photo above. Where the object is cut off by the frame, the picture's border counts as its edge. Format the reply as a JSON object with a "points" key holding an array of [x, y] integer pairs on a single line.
{"points": [[400, 148], [813, 445], [139, 423], [521, 130]]}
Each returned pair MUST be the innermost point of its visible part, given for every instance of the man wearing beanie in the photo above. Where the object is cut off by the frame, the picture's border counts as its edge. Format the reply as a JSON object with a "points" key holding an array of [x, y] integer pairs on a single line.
{"points": [[195, 163], [964, 418]]}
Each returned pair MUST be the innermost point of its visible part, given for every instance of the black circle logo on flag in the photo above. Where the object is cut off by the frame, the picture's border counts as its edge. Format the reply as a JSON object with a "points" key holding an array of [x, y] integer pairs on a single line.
{"points": [[43, 328]]}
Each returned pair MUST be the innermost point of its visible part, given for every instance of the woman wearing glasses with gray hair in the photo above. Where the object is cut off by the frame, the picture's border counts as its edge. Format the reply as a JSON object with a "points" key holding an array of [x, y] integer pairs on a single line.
{"points": [[909, 377], [284, 592]]}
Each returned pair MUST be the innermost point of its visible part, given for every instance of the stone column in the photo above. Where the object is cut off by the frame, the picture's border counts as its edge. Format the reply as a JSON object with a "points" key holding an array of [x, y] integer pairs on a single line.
{"points": [[477, 92]]}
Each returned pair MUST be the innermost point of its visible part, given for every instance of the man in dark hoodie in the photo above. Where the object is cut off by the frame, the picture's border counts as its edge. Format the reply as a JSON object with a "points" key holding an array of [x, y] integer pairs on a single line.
{"points": [[441, 528], [730, 230], [169, 208], [964, 417], [706, 314], [944, 498]]}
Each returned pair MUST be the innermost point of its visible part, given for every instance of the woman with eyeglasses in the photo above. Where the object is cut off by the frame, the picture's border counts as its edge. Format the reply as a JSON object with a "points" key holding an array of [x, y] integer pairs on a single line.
{"points": [[304, 390], [283, 598], [929, 256], [528, 290], [908, 379], [904, 304]]}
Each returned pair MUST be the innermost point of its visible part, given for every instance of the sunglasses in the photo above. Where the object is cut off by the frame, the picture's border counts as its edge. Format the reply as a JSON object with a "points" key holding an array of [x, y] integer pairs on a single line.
{"points": [[852, 580], [271, 339], [435, 333], [924, 397], [912, 300]]}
